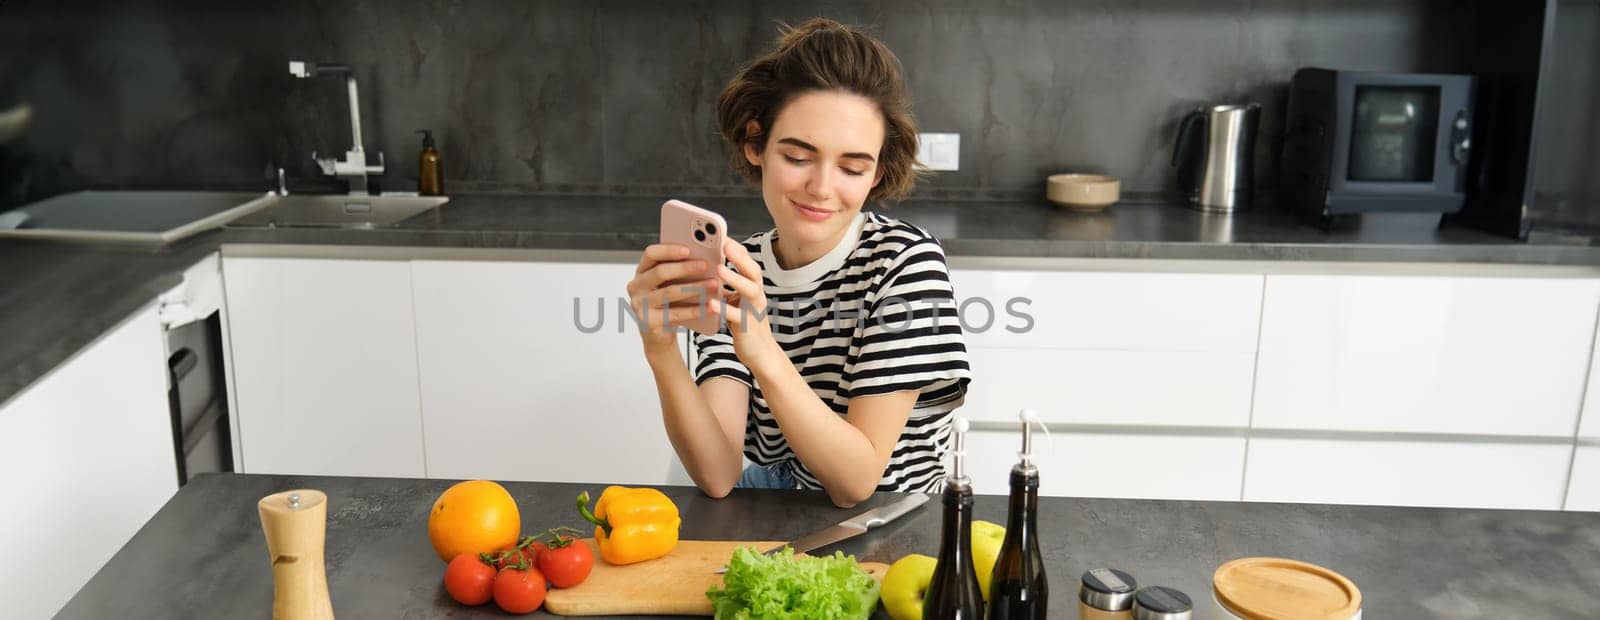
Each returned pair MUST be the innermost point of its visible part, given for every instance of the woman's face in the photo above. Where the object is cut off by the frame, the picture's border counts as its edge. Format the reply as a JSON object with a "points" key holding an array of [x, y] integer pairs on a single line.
{"points": [[819, 163]]}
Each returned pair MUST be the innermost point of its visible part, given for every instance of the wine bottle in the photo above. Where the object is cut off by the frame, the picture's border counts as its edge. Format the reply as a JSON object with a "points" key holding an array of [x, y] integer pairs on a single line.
{"points": [[1017, 588], [953, 593]]}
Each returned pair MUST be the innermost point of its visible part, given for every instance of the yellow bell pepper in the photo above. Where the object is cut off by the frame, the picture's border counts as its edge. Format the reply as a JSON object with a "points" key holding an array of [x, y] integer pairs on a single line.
{"points": [[632, 525]]}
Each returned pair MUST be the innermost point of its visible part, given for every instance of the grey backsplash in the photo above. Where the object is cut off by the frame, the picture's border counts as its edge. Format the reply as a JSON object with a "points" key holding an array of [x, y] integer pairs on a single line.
{"points": [[616, 96]]}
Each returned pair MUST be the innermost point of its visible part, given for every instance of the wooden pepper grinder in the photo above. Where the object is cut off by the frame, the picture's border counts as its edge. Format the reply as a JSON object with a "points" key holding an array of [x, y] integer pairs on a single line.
{"points": [[295, 525]]}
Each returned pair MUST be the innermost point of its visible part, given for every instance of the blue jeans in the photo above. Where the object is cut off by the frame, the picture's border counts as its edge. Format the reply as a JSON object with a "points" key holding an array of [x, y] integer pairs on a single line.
{"points": [[773, 476]]}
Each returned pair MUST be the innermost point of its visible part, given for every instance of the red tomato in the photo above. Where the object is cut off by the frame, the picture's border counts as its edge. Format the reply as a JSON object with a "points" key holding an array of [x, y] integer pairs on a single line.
{"points": [[469, 580], [568, 564], [519, 591]]}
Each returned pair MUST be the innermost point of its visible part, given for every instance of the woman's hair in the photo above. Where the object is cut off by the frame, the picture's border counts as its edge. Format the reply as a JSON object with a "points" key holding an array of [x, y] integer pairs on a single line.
{"points": [[823, 55]]}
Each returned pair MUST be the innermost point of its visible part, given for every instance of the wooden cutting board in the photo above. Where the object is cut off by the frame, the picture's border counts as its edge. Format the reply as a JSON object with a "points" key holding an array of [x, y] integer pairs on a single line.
{"points": [[675, 584]]}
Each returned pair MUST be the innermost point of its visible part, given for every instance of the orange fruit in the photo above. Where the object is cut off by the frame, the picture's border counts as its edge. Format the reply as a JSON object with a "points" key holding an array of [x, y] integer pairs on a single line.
{"points": [[473, 517]]}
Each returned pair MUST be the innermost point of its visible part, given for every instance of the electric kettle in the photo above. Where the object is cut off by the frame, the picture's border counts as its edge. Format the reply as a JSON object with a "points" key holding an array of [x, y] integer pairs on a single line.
{"points": [[1215, 154]]}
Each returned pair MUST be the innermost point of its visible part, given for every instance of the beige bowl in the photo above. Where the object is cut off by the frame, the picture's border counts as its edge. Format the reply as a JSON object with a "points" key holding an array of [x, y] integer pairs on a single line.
{"points": [[1082, 192]]}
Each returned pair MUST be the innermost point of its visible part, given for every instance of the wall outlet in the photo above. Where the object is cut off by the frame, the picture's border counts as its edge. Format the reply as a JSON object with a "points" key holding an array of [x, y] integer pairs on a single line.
{"points": [[939, 151]]}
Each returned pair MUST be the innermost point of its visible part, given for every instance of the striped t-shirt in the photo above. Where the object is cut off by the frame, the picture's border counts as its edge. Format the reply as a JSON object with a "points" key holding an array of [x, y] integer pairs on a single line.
{"points": [[875, 315]]}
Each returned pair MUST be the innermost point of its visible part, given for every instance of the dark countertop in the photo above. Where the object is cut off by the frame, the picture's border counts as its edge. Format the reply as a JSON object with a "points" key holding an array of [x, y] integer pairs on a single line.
{"points": [[55, 298], [967, 229], [203, 554]]}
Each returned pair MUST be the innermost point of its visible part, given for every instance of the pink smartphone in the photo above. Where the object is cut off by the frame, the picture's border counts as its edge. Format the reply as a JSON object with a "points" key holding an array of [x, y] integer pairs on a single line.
{"points": [[702, 232]]}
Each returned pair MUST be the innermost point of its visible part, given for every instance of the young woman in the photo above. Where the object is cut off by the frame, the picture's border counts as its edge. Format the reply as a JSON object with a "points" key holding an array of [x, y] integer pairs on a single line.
{"points": [[841, 359]]}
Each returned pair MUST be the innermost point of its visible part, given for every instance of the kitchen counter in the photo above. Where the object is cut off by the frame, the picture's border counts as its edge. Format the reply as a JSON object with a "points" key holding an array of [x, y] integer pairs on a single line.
{"points": [[203, 554], [55, 298], [966, 229]]}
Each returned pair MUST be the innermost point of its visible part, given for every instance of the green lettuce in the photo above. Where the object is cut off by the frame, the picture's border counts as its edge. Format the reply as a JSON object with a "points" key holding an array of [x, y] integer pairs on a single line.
{"points": [[759, 587]]}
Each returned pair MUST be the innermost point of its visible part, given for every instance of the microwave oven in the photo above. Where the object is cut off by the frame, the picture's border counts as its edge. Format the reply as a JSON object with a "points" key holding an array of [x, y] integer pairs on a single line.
{"points": [[1362, 142]]}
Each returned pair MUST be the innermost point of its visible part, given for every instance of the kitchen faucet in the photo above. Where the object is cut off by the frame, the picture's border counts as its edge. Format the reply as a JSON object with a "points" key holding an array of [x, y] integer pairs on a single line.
{"points": [[353, 168]]}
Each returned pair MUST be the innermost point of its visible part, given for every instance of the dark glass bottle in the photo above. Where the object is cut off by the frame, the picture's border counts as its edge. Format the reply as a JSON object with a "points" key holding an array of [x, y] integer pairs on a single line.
{"points": [[1018, 588], [953, 594], [430, 178]]}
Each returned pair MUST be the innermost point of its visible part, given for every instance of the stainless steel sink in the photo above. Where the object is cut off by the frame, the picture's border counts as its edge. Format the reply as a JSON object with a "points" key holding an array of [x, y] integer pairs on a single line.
{"points": [[338, 211]]}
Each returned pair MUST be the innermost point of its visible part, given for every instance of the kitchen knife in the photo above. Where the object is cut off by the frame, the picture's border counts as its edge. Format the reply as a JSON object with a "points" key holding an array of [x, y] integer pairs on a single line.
{"points": [[853, 526], [856, 525]]}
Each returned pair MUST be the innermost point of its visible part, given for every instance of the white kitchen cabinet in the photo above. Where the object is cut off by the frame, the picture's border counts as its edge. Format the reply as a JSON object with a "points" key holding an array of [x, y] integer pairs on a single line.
{"points": [[325, 366], [1589, 423], [88, 458], [513, 389], [1583, 488], [1162, 349], [1110, 311], [1407, 473], [1112, 465], [1153, 388], [1492, 356]]}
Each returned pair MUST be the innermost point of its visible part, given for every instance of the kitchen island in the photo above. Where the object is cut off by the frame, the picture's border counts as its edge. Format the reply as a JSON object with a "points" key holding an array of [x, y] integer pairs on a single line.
{"points": [[203, 554]]}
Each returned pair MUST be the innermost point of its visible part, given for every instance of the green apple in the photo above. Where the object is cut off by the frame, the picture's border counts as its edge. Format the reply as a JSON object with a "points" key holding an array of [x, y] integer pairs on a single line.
{"points": [[906, 584], [986, 540]]}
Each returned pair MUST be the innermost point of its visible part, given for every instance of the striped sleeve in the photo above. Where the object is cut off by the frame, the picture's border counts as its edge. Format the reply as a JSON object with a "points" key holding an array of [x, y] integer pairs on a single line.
{"points": [[911, 336], [714, 357]]}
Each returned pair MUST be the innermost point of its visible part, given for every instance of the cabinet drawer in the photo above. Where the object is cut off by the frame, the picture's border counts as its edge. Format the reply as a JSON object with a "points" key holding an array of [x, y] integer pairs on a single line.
{"points": [[1583, 490], [1405, 473], [1589, 424], [324, 366], [527, 369], [1500, 356], [1115, 311], [1111, 387], [1106, 465]]}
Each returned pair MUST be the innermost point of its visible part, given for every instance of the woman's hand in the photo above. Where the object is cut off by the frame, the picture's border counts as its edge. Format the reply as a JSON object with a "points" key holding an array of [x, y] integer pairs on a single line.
{"points": [[662, 306], [745, 308]]}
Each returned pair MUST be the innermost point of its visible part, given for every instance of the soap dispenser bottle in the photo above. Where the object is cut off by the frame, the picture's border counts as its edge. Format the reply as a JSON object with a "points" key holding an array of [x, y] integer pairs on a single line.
{"points": [[1018, 588], [430, 178], [953, 594]]}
